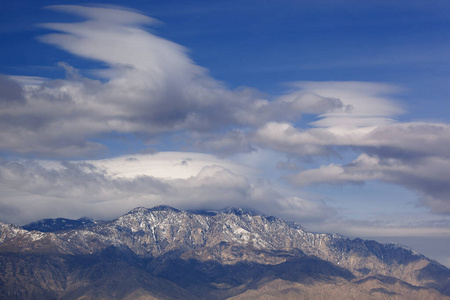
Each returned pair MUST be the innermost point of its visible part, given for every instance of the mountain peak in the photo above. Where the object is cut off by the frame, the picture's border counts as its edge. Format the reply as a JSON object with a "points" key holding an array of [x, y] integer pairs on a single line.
{"points": [[238, 211], [164, 208], [59, 224], [144, 210]]}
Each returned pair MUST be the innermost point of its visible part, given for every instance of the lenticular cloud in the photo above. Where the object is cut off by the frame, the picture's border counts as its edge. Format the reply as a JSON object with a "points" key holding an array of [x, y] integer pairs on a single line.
{"points": [[148, 87]]}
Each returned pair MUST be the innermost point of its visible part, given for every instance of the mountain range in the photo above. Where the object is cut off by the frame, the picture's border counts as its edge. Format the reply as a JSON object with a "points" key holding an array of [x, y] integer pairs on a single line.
{"points": [[165, 253]]}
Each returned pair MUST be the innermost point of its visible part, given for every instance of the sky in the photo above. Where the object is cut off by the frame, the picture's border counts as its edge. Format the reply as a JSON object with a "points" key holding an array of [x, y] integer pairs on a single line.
{"points": [[332, 114]]}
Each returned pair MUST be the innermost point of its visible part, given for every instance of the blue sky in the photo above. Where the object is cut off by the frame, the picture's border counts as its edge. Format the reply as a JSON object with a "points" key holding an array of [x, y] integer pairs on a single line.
{"points": [[333, 114]]}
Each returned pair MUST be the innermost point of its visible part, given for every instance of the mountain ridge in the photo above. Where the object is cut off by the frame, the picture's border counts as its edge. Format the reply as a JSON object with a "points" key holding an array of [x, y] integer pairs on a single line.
{"points": [[220, 239]]}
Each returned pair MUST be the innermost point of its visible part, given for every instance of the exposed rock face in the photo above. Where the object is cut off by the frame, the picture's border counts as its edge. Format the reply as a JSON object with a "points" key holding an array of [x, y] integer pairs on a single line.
{"points": [[166, 253]]}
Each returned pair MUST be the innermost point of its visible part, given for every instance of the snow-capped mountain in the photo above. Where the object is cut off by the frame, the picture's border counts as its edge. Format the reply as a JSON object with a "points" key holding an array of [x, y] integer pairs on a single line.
{"points": [[162, 242]]}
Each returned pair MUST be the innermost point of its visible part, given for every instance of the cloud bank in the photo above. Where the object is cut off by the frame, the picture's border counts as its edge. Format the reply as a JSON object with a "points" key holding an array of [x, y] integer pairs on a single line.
{"points": [[111, 187]]}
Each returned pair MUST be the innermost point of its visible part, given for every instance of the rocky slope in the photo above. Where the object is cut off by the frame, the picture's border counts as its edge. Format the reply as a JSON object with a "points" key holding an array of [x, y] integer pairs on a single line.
{"points": [[166, 253]]}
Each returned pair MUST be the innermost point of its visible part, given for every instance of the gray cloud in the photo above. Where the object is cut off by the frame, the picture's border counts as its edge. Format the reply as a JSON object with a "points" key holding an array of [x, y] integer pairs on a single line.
{"points": [[228, 143], [410, 140], [10, 92], [415, 139], [428, 176]]}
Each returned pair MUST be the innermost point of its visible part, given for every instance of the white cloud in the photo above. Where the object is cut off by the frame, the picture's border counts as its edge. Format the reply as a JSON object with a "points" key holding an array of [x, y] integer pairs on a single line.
{"points": [[167, 165], [359, 109], [286, 138], [106, 14]]}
